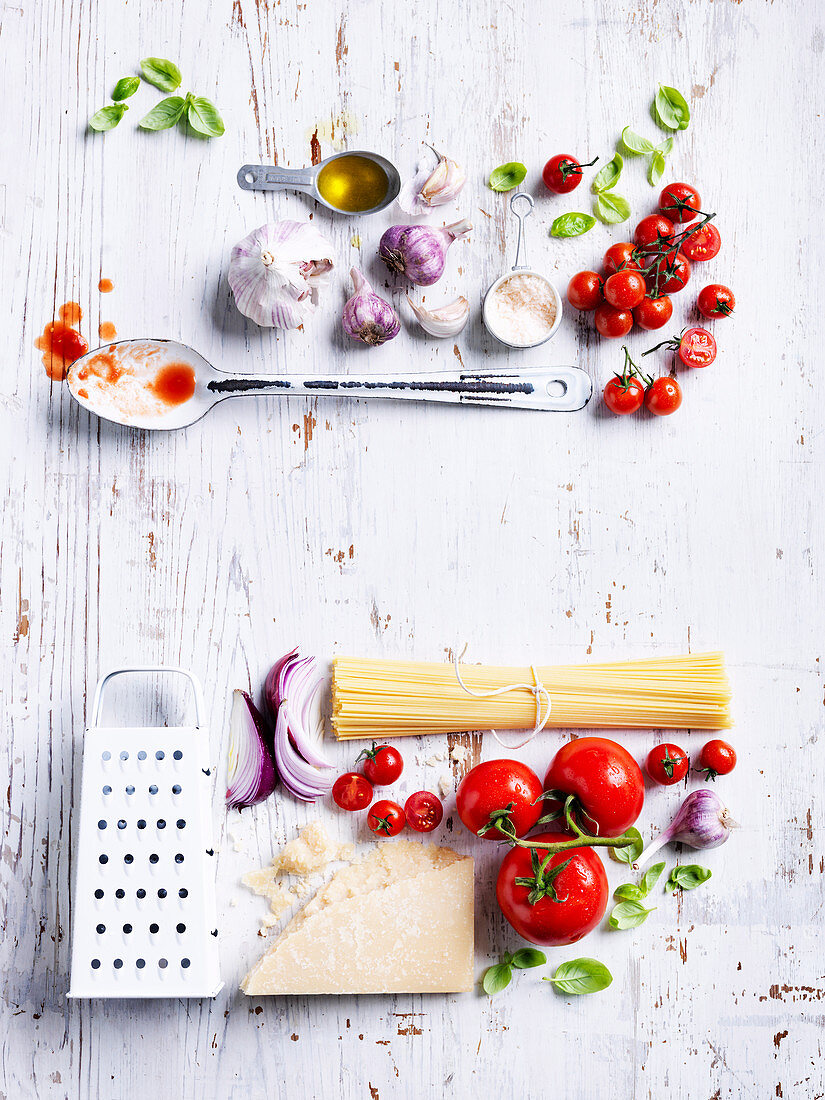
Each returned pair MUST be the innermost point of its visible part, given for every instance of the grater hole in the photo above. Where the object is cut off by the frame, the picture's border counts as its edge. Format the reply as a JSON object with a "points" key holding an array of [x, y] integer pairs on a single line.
{"points": [[101, 824], [183, 892], [127, 928], [141, 824], [140, 963], [129, 858], [118, 964], [120, 894], [141, 893], [163, 963], [142, 754], [179, 857], [181, 823], [160, 754], [101, 928], [180, 928], [107, 789], [95, 964], [130, 789], [153, 789], [161, 823], [177, 788], [161, 893], [98, 894], [178, 755], [185, 964], [124, 755], [154, 857], [106, 755], [154, 928], [103, 858], [122, 823]]}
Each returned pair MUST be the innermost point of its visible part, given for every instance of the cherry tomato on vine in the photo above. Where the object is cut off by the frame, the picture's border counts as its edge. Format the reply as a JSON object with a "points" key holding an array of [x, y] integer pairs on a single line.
{"points": [[716, 300], [386, 818], [702, 245], [673, 273], [653, 231], [612, 322], [382, 764], [585, 290], [625, 289], [572, 892], [621, 256], [606, 781], [496, 790], [716, 758], [663, 397], [563, 173], [697, 347], [667, 764], [623, 396], [653, 313], [351, 791], [680, 202], [424, 811]]}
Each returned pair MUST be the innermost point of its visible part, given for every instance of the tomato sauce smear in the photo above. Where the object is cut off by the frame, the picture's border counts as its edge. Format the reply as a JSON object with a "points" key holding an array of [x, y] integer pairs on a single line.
{"points": [[61, 342], [174, 383]]}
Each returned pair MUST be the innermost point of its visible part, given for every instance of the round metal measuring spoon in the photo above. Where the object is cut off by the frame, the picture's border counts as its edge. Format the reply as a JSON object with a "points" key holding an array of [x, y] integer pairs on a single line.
{"points": [[270, 177]]}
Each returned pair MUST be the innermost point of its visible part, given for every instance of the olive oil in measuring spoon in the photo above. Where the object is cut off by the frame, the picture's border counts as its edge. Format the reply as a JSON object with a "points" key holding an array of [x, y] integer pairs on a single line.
{"points": [[353, 183]]}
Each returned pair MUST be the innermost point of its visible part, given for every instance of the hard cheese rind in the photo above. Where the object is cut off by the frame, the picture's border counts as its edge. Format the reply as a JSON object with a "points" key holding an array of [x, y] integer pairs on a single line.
{"points": [[401, 921]]}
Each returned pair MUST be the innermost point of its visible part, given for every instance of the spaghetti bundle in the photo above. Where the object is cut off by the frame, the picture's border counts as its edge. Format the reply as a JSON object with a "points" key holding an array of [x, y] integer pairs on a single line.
{"points": [[374, 698]]}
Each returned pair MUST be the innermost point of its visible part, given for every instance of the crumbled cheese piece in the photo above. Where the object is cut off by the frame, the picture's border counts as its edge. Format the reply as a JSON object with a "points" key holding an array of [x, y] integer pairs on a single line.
{"points": [[445, 785], [233, 902], [310, 852], [431, 761], [459, 753]]}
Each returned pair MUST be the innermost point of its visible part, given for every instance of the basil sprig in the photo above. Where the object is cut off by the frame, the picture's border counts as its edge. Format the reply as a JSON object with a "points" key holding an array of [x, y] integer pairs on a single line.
{"points": [[629, 891], [581, 976], [498, 976], [507, 176], [201, 114], [630, 912], [572, 224], [609, 207], [670, 109], [107, 117], [126, 86], [687, 877], [160, 72], [632, 852]]}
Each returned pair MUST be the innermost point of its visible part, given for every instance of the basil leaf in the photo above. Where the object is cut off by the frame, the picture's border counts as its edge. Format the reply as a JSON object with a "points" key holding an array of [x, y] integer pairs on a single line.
{"points": [[687, 877], [671, 109], [665, 147], [581, 976], [126, 86], [610, 208], [628, 914], [528, 957], [507, 176], [107, 117], [164, 114], [632, 852], [633, 144], [629, 891], [203, 116], [651, 877], [571, 225], [607, 176], [496, 978], [655, 169], [160, 72]]}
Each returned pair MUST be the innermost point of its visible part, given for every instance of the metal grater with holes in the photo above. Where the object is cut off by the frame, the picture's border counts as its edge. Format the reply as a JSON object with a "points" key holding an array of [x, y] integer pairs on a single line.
{"points": [[144, 916]]}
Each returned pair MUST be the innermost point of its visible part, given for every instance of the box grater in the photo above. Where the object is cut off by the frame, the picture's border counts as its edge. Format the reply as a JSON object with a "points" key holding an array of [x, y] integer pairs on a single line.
{"points": [[144, 921]]}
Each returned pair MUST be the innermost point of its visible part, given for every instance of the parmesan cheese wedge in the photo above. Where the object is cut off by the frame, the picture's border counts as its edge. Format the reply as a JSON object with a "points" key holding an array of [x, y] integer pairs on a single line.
{"points": [[400, 921]]}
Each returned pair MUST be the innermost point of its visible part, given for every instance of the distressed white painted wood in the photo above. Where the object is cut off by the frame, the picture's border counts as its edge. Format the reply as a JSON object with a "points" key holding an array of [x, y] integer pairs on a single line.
{"points": [[391, 530]]}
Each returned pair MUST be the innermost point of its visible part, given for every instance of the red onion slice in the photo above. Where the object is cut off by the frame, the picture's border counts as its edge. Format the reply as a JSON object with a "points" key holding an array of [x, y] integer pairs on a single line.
{"points": [[292, 696], [251, 776]]}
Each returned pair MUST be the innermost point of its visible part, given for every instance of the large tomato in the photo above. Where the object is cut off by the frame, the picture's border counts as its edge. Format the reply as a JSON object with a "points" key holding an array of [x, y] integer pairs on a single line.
{"points": [[496, 789], [567, 899], [606, 780]]}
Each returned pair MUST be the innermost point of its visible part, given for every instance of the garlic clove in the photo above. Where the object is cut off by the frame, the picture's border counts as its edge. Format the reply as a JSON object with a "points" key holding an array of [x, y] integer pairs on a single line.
{"points": [[368, 317], [447, 320], [432, 187]]}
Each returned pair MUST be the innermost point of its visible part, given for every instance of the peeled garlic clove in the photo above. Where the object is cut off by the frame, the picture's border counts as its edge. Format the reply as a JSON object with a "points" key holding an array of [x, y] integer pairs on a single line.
{"points": [[432, 187], [448, 320]]}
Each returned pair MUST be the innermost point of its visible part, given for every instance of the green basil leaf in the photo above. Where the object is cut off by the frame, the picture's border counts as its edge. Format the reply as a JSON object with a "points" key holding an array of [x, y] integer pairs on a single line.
{"points": [[651, 877], [687, 877], [496, 978], [571, 225], [655, 169], [528, 957], [164, 114], [611, 209], [629, 891], [507, 176], [160, 72], [203, 116], [581, 976], [633, 144], [665, 147], [126, 86], [628, 914], [632, 852], [107, 117], [608, 176], [671, 109]]}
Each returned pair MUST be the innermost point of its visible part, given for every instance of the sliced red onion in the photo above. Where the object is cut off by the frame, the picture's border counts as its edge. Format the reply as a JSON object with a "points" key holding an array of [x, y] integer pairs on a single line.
{"points": [[251, 775], [292, 696]]}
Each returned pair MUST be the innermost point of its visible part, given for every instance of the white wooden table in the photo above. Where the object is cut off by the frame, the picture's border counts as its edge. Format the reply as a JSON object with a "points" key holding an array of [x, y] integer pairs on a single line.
{"points": [[396, 531]]}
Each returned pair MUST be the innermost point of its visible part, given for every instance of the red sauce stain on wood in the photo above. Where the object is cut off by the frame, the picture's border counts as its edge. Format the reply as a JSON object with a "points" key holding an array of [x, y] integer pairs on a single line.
{"points": [[61, 343], [341, 47], [315, 149], [777, 1039], [22, 629], [106, 330], [457, 354], [105, 286], [174, 383], [309, 425]]}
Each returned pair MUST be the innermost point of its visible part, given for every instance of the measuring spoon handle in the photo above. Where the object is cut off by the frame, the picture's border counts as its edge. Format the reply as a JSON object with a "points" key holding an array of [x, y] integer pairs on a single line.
{"points": [[270, 177]]}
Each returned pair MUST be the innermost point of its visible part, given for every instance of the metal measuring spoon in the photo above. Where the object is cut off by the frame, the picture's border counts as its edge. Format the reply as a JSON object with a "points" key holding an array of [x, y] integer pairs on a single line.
{"points": [[270, 177], [128, 383]]}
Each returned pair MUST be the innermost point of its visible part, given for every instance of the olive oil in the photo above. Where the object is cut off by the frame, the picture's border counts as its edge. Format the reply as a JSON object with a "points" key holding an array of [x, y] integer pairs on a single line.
{"points": [[353, 184]]}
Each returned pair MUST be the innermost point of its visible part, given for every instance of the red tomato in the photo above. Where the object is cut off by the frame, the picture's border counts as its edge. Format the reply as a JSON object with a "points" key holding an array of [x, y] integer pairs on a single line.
{"points": [[563, 173], [573, 889], [667, 764], [613, 323], [585, 290], [697, 347], [653, 313], [625, 289], [423, 811], [663, 397], [716, 758], [673, 273], [499, 789], [680, 202], [352, 791], [653, 232], [703, 244], [716, 300], [605, 779], [621, 256], [386, 818], [624, 395], [382, 764]]}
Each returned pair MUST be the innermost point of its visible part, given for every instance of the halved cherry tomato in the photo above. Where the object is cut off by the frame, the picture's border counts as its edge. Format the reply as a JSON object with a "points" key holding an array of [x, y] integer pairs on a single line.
{"points": [[424, 811], [702, 245], [386, 818], [655, 230], [625, 289], [382, 764], [563, 173], [623, 396], [613, 322], [679, 202], [673, 272], [498, 790], [621, 256], [716, 758], [667, 764], [607, 783], [663, 397], [697, 347], [653, 313], [351, 791], [585, 290], [716, 300]]}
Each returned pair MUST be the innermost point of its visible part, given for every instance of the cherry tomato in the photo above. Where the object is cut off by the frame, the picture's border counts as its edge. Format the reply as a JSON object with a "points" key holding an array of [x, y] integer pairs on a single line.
{"points": [[716, 758], [667, 764], [423, 811], [386, 818], [612, 322], [625, 289], [697, 347], [496, 790], [621, 256], [703, 244], [382, 764], [624, 395], [563, 173], [585, 290], [653, 313], [606, 780], [653, 231], [575, 895], [716, 300], [680, 202], [663, 397], [351, 791], [673, 271]]}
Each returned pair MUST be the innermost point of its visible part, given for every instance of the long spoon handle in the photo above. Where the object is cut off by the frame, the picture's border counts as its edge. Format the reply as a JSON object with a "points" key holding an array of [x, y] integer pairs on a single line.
{"points": [[269, 177]]}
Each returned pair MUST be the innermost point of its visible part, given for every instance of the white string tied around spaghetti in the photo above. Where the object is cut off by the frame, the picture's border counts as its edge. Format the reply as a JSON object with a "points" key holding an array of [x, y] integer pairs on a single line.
{"points": [[536, 689]]}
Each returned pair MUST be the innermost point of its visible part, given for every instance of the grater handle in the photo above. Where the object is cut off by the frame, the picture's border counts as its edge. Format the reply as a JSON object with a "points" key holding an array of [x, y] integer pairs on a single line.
{"points": [[197, 690]]}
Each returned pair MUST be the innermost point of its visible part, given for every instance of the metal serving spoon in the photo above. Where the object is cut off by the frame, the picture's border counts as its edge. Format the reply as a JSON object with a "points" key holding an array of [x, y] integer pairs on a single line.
{"points": [[271, 177], [163, 385]]}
